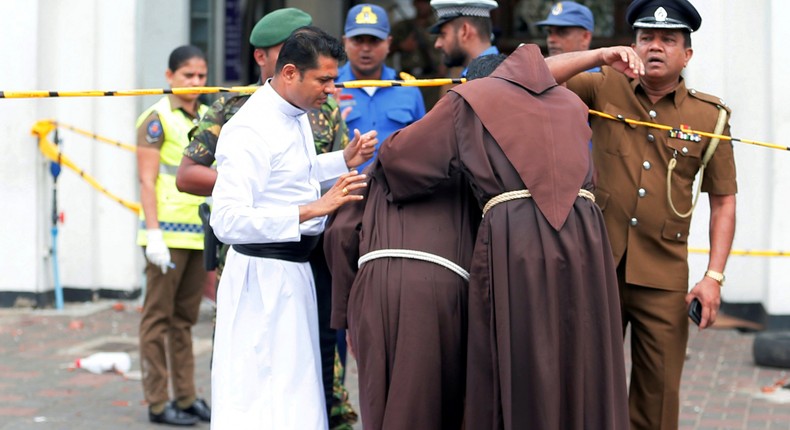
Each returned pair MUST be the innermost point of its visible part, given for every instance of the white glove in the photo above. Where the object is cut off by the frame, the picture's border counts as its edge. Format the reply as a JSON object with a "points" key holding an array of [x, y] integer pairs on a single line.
{"points": [[156, 251]]}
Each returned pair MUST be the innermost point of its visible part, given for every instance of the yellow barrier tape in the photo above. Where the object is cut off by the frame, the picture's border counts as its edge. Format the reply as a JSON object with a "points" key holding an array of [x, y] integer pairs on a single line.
{"points": [[98, 93], [212, 90], [94, 136], [409, 83], [746, 252], [620, 118], [351, 84], [41, 129]]}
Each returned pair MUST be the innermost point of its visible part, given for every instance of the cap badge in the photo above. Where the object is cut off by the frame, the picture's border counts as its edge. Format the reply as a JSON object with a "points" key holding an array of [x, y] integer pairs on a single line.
{"points": [[660, 15], [557, 9], [366, 16]]}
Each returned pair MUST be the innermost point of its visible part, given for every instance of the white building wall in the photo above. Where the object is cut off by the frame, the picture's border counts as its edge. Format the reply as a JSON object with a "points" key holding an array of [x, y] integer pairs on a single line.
{"points": [[743, 65], [67, 46], [20, 235], [777, 299]]}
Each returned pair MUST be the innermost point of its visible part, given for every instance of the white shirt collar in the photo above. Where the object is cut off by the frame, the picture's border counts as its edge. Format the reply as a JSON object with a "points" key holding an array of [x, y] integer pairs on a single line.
{"points": [[280, 103]]}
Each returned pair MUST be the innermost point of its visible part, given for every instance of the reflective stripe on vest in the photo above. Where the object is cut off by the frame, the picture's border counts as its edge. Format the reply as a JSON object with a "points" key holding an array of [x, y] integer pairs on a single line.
{"points": [[178, 212]]}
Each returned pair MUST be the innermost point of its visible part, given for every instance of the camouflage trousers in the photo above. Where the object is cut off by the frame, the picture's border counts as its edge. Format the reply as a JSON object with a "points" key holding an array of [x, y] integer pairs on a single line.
{"points": [[343, 416]]}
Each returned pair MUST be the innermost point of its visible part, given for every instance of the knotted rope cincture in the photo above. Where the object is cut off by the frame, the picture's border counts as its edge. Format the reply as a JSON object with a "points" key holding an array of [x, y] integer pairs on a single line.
{"points": [[414, 255]]}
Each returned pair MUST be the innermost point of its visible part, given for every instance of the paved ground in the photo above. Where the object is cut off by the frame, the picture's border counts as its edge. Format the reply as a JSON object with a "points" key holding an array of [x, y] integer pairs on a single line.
{"points": [[722, 389]]}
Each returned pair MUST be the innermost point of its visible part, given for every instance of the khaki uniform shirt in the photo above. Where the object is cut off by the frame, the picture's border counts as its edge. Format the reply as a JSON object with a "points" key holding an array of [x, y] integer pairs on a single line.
{"points": [[631, 165]]}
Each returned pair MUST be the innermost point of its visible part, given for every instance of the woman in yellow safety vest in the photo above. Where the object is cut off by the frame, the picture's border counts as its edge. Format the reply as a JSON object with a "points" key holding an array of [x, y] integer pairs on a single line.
{"points": [[172, 234]]}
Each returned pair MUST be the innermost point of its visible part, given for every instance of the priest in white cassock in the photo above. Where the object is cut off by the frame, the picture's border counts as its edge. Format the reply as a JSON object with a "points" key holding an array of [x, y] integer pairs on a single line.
{"points": [[267, 204]]}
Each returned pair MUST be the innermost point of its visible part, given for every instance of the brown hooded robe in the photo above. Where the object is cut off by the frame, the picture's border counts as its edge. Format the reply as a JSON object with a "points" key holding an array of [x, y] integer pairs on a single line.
{"points": [[544, 336], [406, 318]]}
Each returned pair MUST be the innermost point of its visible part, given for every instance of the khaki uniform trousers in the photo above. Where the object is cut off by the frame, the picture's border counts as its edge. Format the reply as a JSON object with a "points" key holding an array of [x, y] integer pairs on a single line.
{"points": [[659, 334], [171, 307]]}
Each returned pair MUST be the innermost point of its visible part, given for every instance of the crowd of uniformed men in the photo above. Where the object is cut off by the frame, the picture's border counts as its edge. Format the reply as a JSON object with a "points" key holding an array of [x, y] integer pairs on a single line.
{"points": [[482, 261]]}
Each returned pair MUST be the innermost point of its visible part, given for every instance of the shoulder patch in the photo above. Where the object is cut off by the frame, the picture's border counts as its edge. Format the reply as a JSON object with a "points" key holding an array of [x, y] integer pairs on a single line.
{"points": [[708, 98], [154, 130]]}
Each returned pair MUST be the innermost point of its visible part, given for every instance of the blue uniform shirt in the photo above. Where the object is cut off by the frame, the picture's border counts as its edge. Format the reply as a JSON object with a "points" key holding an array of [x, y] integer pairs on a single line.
{"points": [[388, 110]]}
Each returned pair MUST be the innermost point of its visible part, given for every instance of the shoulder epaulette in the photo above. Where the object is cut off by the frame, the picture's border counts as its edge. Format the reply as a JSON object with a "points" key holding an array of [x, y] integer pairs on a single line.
{"points": [[708, 98]]}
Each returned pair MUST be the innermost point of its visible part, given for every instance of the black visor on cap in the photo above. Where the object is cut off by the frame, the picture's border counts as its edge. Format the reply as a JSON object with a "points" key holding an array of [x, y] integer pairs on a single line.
{"points": [[437, 27]]}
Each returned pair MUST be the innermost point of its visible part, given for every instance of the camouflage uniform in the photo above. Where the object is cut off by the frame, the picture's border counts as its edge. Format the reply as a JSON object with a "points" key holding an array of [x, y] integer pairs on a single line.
{"points": [[203, 138], [330, 134], [329, 130]]}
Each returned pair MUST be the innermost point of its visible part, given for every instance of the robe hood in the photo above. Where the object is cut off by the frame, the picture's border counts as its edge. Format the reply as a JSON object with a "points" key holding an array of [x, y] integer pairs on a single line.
{"points": [[549, 159]]}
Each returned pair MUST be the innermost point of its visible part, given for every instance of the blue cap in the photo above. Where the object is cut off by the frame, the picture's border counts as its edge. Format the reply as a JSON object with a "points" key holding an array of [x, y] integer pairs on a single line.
{"points": [[367, 19], [569, 14]]}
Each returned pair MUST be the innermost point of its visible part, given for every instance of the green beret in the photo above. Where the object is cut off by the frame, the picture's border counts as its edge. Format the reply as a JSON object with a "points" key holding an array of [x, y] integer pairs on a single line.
{"points": [[276, 26]]}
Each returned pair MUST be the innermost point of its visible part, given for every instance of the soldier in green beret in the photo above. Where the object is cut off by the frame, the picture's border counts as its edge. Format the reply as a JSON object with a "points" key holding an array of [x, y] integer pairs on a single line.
{"points": [[330, 133]]}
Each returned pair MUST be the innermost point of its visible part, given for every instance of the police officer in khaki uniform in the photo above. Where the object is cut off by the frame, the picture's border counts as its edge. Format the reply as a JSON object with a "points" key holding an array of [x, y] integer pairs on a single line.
{"points": [[648, 224], [171, 232]]}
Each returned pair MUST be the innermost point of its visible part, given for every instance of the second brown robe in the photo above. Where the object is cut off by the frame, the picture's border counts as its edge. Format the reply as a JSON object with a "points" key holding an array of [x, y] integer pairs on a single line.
{"points": [[544, 337], [406, 318]]}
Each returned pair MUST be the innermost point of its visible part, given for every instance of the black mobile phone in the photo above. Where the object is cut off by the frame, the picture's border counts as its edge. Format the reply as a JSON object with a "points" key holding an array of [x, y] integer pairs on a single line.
{"points": [[695, 311]]}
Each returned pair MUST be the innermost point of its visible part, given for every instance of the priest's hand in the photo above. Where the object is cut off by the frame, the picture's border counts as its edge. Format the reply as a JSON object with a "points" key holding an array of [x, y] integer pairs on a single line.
{"points": [[361, 148], [341, 193]]}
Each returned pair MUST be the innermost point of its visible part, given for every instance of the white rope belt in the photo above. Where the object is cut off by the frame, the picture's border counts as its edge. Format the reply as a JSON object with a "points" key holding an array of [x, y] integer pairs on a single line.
{"points": [[523, 194], [414, 255]]}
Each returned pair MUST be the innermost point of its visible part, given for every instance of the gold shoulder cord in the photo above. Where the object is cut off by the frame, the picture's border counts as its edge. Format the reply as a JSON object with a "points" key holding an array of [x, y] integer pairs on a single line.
{"points": [[714, 142]]}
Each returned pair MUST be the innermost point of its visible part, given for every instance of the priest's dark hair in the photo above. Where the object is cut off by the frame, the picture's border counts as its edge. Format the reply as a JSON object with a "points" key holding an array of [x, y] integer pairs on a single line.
{"points": [[303, 47]]}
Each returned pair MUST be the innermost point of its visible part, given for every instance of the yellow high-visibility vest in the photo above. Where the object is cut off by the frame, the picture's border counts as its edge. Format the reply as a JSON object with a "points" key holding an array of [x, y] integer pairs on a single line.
{"points": [[178, 212]]}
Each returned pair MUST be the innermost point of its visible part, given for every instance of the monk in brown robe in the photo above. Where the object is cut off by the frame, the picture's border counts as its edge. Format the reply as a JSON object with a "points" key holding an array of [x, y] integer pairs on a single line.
{"points": [[544, 335], [412, 356], [406, 317]]}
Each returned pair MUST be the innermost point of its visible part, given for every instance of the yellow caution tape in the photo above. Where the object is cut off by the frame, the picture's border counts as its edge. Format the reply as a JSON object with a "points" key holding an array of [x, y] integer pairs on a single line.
{"points": [[41, 129], [746, 252], [213, 90], [94, 136], [689, 131]]}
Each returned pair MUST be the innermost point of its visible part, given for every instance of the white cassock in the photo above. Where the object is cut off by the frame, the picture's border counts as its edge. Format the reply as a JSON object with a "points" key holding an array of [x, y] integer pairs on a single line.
{"points": [[266, 371]]}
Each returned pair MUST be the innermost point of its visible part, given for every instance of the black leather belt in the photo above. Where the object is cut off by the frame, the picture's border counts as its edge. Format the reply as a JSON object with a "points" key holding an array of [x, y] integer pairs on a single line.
{"points": [[298, 252]]}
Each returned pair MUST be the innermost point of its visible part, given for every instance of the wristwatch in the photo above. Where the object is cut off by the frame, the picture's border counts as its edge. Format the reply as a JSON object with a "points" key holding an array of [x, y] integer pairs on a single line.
{"points": [[717, 276]]}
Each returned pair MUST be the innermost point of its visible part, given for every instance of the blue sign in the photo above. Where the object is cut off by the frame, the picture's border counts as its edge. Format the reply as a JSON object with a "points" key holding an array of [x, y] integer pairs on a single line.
{"points": [[233, 42]]}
